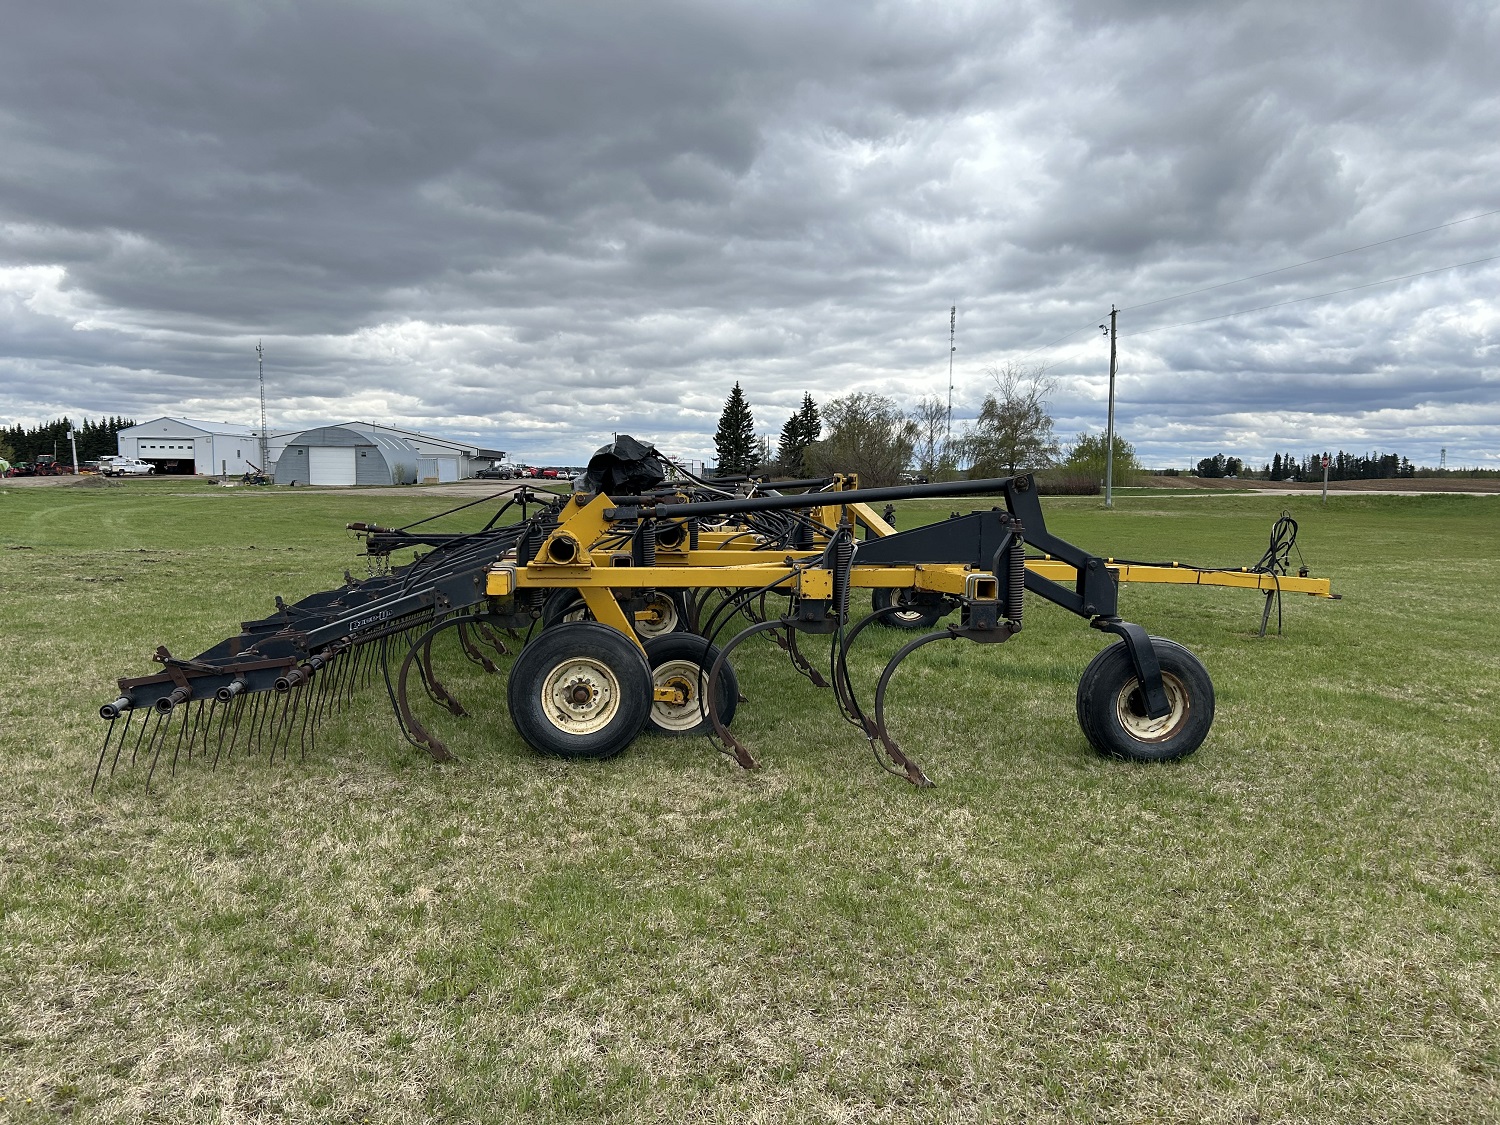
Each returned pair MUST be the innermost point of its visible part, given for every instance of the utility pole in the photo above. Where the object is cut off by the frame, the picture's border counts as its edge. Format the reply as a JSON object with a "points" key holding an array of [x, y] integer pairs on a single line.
{"points": [[73, 441], [1109, 434], [260, 361], [952, 347]]}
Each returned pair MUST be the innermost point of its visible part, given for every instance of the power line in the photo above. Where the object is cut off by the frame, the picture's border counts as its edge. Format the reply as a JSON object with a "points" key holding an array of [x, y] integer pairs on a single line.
{"points": [[1314, 297], [1310, 261]]}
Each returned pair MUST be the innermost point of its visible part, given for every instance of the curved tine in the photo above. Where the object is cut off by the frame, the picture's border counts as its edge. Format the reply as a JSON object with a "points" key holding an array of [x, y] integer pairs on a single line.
{"points": [[435, 686], [741, 755], [493, 639], [735, 603], [434, 747], [472, 651], [383, 659], [843, 686], [800, 662], [913, 771]]}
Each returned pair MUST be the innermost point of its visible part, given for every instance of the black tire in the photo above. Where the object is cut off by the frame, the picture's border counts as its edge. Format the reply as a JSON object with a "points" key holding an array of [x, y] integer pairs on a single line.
{"points": [[579, 690], [1113, 715], [672, 615], [684, 660], [914, 616]]}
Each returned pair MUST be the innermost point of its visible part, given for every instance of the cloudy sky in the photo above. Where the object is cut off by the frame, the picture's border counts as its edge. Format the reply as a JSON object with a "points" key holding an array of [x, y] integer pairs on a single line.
{"points": [[538, 223]]}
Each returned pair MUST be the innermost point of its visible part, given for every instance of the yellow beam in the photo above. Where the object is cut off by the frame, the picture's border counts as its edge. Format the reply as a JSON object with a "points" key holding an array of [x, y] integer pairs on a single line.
{"points": [[1177, 575]]}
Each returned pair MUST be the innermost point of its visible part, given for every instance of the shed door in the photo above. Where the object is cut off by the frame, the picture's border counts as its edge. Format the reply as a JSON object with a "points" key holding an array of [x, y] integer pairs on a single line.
{"points": [[447, 468], [330, 466]]}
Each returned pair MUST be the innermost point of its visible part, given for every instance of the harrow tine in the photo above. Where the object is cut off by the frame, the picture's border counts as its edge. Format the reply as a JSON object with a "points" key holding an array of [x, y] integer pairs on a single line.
{"points": [[158, 740], [229, 710], [104, 750], [182, 728], [493, 639], [140, 735]]}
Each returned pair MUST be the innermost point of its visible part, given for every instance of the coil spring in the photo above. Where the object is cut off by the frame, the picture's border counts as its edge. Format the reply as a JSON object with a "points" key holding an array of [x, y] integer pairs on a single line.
{"points": [[693, 534], [1015, 596], [646, 544], [843, 562]]}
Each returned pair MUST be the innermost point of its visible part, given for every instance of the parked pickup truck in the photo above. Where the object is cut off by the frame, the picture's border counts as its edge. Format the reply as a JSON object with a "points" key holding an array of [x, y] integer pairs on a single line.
{"points": [[126, 467]]}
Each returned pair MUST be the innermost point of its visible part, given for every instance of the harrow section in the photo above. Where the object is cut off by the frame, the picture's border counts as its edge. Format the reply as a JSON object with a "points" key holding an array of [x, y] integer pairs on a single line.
{"points": [[634, 593]]}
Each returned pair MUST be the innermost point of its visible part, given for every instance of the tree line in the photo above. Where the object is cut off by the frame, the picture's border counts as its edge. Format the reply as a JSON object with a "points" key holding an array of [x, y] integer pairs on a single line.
{"points": [[95, 439], [869, 434], [1341, 466]]}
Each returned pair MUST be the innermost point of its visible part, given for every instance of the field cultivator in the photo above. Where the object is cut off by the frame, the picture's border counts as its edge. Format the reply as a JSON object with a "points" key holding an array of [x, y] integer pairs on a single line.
{"points": [[619, 607]]}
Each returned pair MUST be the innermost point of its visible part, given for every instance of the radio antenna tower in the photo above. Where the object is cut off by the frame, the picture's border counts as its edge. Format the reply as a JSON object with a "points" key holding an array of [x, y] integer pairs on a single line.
{"points": [[260, 363], [952, 331]]}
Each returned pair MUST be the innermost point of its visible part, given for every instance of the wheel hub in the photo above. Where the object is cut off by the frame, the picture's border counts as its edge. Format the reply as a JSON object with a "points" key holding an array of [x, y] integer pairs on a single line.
{"points": [[1130, 706], [688, 678], [580, 696]]}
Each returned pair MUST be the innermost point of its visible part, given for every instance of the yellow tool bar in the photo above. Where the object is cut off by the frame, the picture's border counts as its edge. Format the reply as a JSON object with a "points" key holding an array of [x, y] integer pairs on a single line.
{"points": [[1176, 574]]}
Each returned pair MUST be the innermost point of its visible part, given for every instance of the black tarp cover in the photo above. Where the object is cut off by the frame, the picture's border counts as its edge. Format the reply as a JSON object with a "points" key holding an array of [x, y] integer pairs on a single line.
{"points": [[625, 468]]}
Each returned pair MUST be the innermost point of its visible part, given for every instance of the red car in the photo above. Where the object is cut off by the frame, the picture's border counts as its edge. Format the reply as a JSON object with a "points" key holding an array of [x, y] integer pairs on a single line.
{"points": [[548, 474]]}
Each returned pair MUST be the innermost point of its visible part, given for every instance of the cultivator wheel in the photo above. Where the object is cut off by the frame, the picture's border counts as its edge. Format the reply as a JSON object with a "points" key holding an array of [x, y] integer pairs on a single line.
{"points": [[911, 612], [657, 614], [579, 690], [681, 663], [1113, 714]]}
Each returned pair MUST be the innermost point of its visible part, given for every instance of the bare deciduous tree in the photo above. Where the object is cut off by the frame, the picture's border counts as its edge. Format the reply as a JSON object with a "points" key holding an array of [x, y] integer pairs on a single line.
{"points": [[1013, 430]]}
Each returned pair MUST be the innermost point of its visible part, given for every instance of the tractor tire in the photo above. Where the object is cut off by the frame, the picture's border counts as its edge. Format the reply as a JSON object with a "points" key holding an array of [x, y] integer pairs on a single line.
{"points": [[1112, 713], [579, 690], [923, 617], [671, 612], [684, 660]]}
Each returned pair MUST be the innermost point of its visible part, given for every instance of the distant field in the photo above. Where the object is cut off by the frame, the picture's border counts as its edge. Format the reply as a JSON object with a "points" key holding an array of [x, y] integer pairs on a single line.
{"points": [[1300, 922]]}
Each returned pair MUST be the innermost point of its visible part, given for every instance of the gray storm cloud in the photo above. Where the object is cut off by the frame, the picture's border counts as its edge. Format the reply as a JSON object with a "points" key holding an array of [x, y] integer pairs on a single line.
{"points": [[537, 224]]}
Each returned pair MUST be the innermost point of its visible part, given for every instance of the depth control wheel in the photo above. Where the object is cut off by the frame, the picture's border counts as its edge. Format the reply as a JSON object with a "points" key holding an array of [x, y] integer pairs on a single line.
{"points": [[663, 613], [1112, 709], [579, 690], [913, 615], [682, 661]]}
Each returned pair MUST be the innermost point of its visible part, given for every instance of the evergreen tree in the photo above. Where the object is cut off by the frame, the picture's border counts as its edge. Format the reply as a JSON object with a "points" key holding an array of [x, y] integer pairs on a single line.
{"points": [[801, 430], [734, 441]]}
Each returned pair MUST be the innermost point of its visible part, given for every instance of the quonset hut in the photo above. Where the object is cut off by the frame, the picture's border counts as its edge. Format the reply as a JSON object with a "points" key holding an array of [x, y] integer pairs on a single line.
{"points": [[339, 456]]}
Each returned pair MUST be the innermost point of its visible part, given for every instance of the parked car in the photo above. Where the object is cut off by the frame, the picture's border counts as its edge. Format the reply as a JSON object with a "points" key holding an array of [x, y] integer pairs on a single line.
{"points": [[128, 467], [549, 474], [496, 472]]}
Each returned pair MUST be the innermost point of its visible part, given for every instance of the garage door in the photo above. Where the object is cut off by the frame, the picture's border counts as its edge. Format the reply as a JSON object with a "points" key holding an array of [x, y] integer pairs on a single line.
{"points": [[162, 449], [330, 466], [447, 468]]}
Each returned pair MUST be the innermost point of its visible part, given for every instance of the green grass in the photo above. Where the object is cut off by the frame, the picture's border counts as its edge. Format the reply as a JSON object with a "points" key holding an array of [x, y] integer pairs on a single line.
{"points": [[1301, 922]]}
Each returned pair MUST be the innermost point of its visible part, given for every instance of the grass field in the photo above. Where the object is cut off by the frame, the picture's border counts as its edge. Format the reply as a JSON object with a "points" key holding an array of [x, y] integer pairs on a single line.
{"points": [[1299, 923]]}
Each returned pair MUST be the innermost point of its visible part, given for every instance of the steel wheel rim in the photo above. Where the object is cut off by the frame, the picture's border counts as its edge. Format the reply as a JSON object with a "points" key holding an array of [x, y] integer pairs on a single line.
{"points": [[662, 619], [1130, 710], [688, 677], [580, 696]]}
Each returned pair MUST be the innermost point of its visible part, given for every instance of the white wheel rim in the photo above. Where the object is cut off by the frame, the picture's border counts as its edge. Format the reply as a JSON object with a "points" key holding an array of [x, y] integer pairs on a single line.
{"points": [[580, 696], [1144, 729], [688, 677], [660, 619]]}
